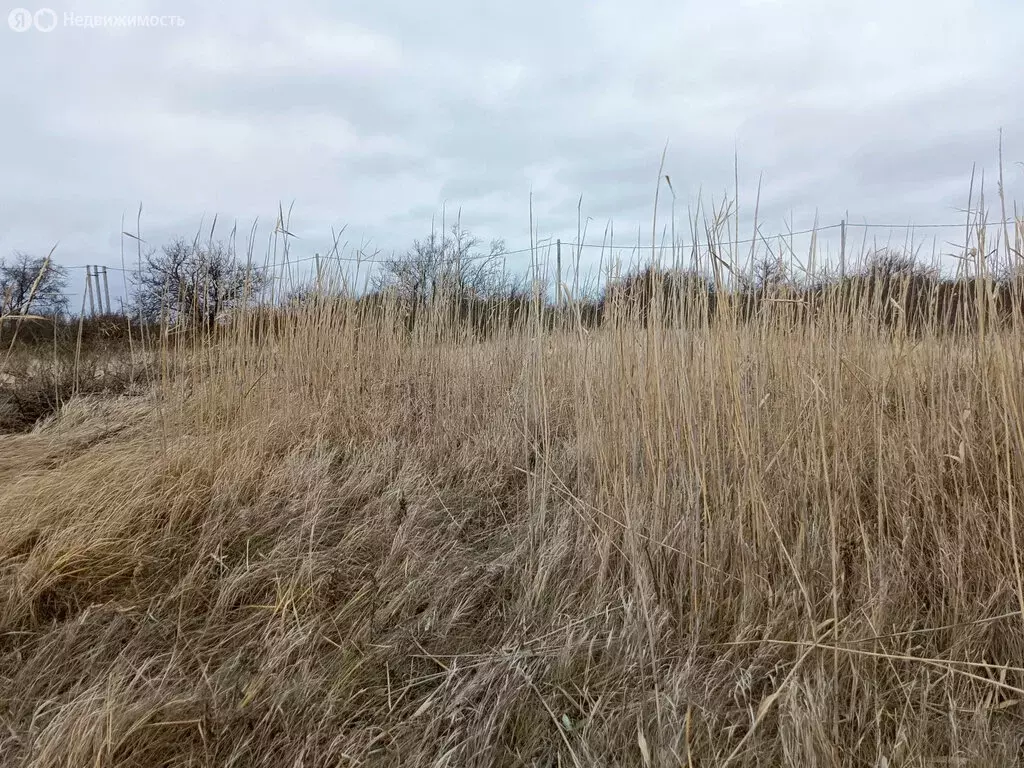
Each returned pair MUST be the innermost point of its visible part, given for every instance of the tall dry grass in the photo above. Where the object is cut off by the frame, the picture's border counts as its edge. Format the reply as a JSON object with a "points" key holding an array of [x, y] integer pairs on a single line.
{"points": [[758, 541]]}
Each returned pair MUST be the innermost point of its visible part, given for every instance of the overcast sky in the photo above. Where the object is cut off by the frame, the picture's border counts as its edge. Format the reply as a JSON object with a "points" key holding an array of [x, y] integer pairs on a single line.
{"points": [[375, 115]]}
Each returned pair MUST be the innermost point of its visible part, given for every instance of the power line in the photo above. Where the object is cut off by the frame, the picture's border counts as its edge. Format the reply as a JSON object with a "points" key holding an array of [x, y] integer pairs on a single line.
{"points": [[83, 266], [637, 247], [684, 246], [961, 225]]}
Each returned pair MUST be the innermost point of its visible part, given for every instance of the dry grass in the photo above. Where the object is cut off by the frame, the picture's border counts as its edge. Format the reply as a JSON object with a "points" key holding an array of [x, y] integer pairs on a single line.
{"points": [[736, 544], [44, 364]]}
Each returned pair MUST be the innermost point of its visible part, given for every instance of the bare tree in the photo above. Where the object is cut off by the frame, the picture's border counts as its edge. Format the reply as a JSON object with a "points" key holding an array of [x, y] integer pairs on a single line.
{"points": [[188, 281], [446, 265], [766, 274], [32, 284]]}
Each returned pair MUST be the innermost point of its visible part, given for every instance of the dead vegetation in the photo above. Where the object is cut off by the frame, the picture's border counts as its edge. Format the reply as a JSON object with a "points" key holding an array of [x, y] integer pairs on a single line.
{"points": [[349, 543]]}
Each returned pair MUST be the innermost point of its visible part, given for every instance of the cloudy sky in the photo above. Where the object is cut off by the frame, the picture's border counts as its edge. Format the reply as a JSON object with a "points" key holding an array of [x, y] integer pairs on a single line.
{"points": [[378, 115]]}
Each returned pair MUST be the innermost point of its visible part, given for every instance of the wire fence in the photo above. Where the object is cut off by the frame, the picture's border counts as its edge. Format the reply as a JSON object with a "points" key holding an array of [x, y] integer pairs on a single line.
{"points": [[297, 270]]}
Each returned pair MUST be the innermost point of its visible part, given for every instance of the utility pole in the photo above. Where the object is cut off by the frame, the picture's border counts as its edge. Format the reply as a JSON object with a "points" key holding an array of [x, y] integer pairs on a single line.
{"points": [[106, 289], [89, 289]]}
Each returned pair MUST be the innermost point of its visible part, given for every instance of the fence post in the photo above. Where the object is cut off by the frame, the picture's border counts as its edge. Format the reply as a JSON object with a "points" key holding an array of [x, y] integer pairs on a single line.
{"points": [[558, 277], [842, 250]]}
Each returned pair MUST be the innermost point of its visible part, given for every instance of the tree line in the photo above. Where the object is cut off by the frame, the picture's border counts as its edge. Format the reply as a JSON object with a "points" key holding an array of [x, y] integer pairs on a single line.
{"points": [[457, 272], [200, 281]]}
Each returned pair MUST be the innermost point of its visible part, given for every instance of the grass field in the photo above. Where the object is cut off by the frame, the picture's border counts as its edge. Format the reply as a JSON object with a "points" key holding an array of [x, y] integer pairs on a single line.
{"points": [[755, 541]]}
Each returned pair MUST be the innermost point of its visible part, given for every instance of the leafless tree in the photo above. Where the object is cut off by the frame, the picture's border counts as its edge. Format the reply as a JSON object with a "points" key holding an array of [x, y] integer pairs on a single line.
{"points": [[188, 281], [447, 266], [766, 273], [32, 284]]}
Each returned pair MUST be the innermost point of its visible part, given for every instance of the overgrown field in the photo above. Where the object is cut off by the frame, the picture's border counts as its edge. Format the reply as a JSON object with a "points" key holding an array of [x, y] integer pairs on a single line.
{"points": [[772, 539]]}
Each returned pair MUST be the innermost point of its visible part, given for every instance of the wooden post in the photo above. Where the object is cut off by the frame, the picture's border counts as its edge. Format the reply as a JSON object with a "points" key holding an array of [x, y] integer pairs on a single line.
{"points": [[89, 289], [106, 289], [576, 278], [842, 250], [558, 277]]}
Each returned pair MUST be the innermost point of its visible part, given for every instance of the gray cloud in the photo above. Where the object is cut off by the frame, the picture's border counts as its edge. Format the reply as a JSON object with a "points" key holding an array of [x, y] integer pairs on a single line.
{"points": [[379, 114]]}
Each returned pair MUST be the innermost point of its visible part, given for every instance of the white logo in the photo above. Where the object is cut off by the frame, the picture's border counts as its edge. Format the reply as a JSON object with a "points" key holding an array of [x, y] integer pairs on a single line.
{"points": [[45, 19], [20, 20]]}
